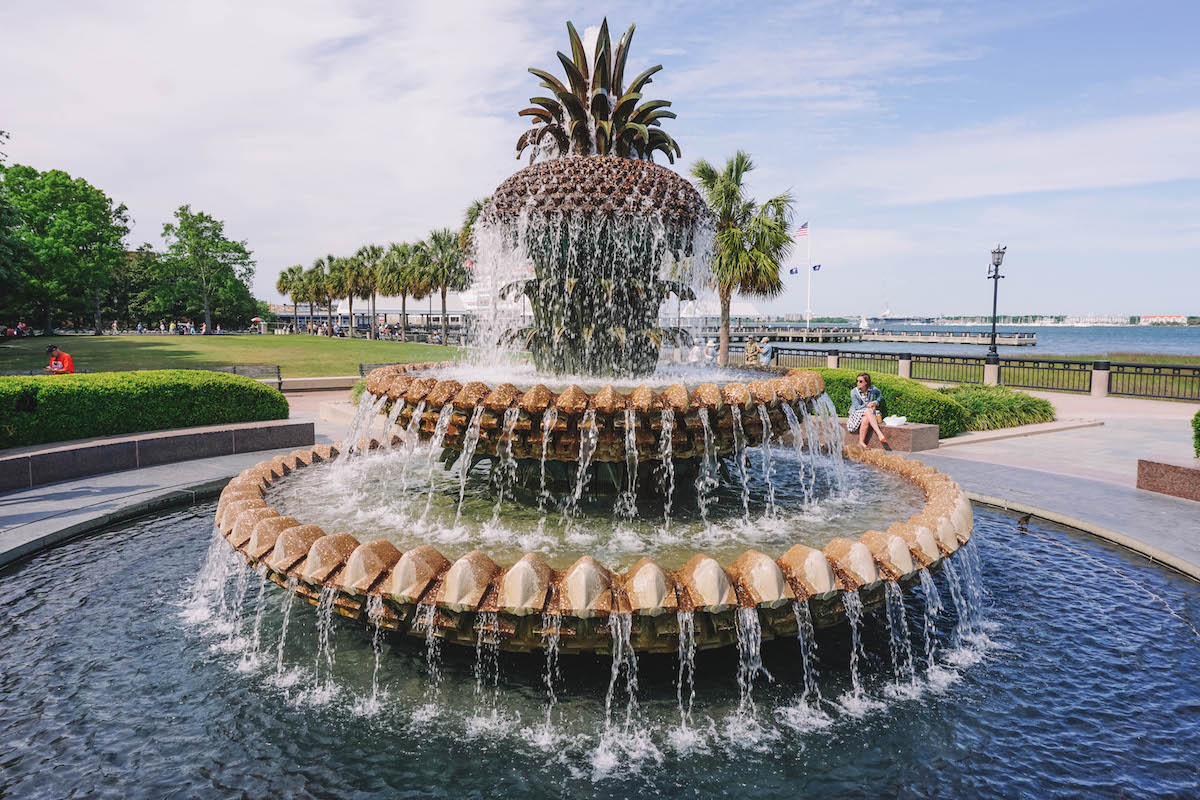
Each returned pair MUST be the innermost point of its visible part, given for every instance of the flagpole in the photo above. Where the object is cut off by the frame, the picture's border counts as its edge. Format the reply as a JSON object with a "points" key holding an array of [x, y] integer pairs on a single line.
{"points": [[808, 258]]}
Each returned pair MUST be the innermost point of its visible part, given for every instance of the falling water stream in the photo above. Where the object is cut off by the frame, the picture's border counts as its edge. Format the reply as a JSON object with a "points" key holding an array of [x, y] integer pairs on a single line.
{"points": [[933, 609], [899, 643]]}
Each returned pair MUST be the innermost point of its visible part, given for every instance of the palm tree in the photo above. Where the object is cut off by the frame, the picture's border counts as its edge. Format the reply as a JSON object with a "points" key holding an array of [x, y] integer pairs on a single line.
{"points": [[594, 113], [752, 240], [401, 275], [351, 282], [336, 284], [441, 259], [369, 257], [314, 290], [291, 283], [466, 234]]}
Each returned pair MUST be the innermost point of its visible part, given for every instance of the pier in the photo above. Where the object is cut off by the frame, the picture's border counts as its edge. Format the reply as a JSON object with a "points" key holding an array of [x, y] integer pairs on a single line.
{"points": [[826, 335]]}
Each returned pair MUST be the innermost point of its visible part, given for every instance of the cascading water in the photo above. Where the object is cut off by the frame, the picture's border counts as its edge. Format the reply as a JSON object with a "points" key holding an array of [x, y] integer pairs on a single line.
{"points": [[624, 660], [933, 608], [739, 454], [551, 632], [808, 471], [854, 611], [831, 432], [288, 602], [506, 470], [435, 443], [427, 621], [706, 477], [324, 638], [749, 644], [806, 634], [627, 502], [548, 419], [687, 665], [668, 464], [898, 638], [410, 442], [470, 441], [375, 616], [588, 435], [487, 655], [962, 607], [250, 657], [767, 467], [393, 415]]}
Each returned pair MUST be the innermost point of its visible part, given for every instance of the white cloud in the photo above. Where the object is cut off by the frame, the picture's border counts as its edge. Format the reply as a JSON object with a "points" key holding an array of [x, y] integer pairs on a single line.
{"points": [[1017, 159]]}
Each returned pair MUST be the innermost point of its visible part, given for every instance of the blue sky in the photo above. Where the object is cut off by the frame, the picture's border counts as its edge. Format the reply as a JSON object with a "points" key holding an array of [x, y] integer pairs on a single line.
{"points": [[914, 136]]}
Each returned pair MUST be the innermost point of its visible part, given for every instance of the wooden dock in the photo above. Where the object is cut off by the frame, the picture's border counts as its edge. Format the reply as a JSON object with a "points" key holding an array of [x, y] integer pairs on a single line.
{"points": [[824, 336]]}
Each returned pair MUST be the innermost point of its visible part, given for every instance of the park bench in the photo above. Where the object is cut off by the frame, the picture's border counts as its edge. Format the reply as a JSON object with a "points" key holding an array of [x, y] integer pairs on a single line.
{"points": [[269, 373], [365, 369]]}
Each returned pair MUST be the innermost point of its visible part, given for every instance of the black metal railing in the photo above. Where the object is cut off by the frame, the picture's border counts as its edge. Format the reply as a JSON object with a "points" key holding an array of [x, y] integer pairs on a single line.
{"points": [[1170, 381], [948, 369], [794, 358], [1045, 373], [888, 363]]}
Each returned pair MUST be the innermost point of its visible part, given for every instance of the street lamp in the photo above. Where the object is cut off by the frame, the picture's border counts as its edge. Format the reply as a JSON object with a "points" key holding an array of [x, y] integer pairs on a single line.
{"points": [[995, 276]]}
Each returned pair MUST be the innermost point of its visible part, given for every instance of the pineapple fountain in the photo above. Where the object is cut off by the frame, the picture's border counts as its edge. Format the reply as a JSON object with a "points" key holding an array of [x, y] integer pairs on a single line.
{"points": [[595, 236]]}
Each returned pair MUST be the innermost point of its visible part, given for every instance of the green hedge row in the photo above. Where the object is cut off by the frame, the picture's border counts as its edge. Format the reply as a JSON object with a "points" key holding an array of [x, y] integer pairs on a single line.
{"points": [[58, 408], [901, 397], [1196, 433]]}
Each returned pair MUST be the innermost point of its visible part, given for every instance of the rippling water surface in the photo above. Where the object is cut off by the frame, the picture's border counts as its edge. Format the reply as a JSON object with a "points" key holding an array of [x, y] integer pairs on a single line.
{"points": [[1079, 680]]}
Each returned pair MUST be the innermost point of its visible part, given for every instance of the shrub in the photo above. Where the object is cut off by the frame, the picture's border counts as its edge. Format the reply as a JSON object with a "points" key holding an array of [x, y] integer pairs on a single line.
{"points": [[901, 397], [994, 407], [1196, 433], [356, 391], [63, 407]]}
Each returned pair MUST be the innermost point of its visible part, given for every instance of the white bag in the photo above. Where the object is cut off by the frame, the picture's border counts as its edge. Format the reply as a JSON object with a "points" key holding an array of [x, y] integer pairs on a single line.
{"points": [[894, 421]]}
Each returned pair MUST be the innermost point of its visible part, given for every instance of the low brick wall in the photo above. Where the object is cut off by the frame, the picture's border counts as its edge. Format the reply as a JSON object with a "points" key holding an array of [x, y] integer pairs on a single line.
{"points": [[1176, 478], [28, 467]]}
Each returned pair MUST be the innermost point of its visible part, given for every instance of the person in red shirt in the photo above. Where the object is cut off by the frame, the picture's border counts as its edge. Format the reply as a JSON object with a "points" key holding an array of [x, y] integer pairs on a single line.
{"points": [[60, 363]]}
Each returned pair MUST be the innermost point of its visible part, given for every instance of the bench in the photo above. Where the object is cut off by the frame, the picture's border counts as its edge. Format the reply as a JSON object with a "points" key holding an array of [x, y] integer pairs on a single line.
{"points": [[366, 369], [268, 373]]}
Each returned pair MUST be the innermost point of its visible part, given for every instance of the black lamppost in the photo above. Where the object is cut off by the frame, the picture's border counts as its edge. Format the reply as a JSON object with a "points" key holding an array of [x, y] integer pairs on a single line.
{"points": [[994, 274]]}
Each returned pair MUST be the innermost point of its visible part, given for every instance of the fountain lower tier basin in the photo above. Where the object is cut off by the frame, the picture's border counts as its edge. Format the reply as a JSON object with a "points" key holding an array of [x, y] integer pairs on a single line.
{"points": [[423, 592], [606, 425]]}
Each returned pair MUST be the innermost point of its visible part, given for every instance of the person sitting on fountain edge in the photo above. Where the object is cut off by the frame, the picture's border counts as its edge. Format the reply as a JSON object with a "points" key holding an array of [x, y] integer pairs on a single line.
{"points": [[765, 351], [864, 400]]}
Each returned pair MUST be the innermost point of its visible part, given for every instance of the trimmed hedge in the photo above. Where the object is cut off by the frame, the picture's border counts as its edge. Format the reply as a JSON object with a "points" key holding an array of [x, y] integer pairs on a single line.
{"points": [[901, 397], [1196, 433], [57, 408], [993, 407]]}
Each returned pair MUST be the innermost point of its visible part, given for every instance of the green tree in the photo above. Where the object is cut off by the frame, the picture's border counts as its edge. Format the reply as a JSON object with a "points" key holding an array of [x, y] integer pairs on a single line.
{"points": [[466, 234], [337, 283], [73, 237], [204, 262], [291, 283], [752, 240], [370, 258], [314, 290], [400, 276], [441, 259]]}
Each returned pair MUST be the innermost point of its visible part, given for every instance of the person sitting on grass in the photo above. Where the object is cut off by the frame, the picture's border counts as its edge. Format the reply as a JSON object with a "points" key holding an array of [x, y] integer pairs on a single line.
{"points": [[60, 363], [864, 400]]}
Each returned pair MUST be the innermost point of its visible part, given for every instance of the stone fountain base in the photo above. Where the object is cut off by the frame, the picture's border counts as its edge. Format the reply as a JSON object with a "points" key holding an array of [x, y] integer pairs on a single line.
{"points": [[520, 605]]}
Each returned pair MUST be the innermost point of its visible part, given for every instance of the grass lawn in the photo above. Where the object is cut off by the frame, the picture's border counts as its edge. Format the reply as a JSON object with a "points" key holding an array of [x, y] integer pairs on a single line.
{"points": [[299, 356]]}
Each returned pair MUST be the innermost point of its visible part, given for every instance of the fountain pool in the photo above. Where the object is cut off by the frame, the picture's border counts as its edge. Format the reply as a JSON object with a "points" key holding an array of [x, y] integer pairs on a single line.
{"points": [[1076, 682]]}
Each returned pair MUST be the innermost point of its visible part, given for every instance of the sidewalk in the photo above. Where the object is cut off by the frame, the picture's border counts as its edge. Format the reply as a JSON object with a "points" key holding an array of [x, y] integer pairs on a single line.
{"points": [[1133, 428]]}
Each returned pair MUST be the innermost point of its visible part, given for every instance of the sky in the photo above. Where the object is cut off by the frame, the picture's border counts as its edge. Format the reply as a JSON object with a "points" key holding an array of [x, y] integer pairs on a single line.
{"points": [[913, 136]]}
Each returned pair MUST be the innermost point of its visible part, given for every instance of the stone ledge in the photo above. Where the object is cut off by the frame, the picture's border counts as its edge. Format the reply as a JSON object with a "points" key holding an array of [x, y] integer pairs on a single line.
{"points": [[1176, 478], [288, 385], [36, 466], [911, 437]]}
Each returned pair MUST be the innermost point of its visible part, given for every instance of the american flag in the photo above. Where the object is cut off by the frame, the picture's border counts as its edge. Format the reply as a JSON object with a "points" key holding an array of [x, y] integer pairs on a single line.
{"points": [[801, 231]]}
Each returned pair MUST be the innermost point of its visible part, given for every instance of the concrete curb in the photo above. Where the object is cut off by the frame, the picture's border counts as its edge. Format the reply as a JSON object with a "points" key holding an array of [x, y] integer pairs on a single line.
{"points": [[1019, 432], [1151, 552], [143, 504]]}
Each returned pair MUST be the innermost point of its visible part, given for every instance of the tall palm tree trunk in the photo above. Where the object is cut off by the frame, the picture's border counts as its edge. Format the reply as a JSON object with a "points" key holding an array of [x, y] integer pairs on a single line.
{"points": [[329, 318], [295, 316], [726, 293], [444, 342], [374, 333], [312, 319], [404, 317], [351, 300]]}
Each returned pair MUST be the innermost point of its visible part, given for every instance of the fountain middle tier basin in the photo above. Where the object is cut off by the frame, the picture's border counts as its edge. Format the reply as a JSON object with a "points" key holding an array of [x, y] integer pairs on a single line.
{"points": [[519, 602], [545, 424]]}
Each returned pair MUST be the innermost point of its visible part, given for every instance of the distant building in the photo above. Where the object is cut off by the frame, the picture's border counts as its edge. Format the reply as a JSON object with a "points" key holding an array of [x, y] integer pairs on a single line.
{"points": [[1163, 319]]}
